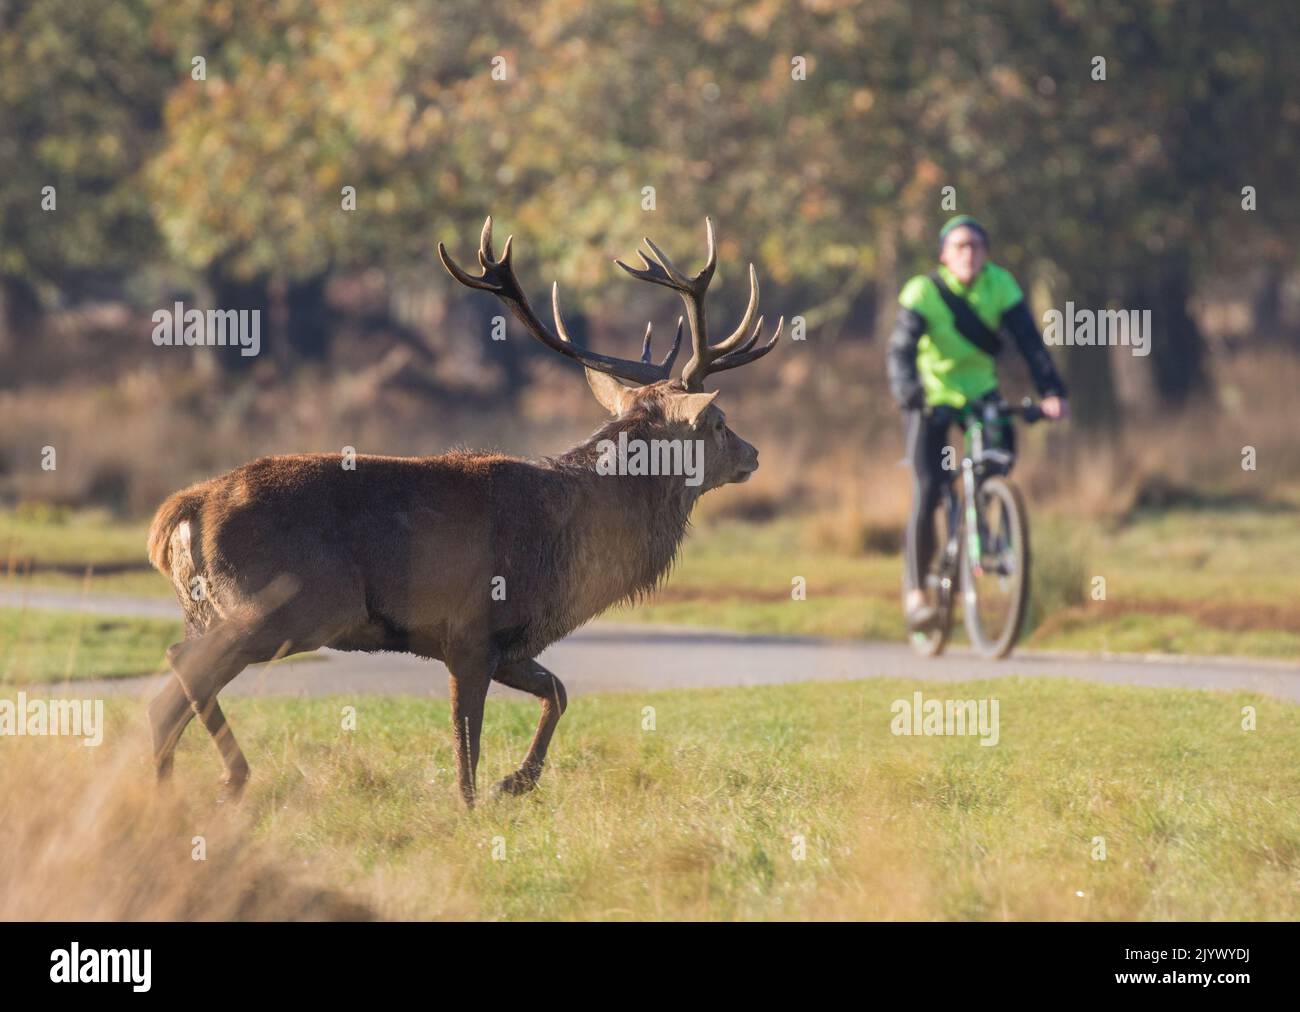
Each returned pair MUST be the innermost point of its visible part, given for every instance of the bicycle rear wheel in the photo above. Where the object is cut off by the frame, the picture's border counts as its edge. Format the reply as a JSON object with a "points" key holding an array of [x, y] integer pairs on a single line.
{"points": [[995, 587]]}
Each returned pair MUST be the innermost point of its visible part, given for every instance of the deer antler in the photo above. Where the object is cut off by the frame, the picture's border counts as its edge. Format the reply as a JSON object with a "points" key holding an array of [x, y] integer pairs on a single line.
{"points": [[498, 277], [706, 358]]}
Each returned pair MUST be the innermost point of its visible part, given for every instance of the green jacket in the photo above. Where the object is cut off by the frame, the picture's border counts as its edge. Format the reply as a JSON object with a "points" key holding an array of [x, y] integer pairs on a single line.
{"points": [[931, 363]]}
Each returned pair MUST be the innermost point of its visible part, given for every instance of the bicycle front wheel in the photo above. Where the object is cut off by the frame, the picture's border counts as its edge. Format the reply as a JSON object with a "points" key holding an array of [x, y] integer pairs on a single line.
{"points": [[940, 590], [995, 585]]}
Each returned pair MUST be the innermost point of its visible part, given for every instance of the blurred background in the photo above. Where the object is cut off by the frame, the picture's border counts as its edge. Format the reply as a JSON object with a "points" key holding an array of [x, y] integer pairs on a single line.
{"points": [[819, 136]]}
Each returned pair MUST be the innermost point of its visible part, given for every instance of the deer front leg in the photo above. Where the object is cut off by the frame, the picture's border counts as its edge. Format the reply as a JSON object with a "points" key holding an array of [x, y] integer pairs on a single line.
{"points": [[471, 673], [531, 677]]}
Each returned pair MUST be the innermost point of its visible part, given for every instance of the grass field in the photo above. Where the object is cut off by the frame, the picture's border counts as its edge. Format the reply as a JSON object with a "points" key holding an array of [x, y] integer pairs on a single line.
{"points": [[49, 646], [1192, 581], [68, 543], [784, 802]]}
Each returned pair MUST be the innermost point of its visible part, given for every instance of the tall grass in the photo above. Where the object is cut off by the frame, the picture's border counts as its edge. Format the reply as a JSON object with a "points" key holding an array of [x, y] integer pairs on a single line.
{"points": [[86, 836], [830, 438]]}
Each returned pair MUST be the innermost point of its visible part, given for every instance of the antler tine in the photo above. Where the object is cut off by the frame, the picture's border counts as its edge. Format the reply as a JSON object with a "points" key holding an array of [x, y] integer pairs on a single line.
{"points": [[645, 344], [662, 271], [700, 282], [459, 273], [710, 261], [560, 328], [753, 338], [743, 356], [663, 370], [652, 272], [738, 335], [679, 279], [738, 347], [486, 260], [671, 357], [498, 277]]}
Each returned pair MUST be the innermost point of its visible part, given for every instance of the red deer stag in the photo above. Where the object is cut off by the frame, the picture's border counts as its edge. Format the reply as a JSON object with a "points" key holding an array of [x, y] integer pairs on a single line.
{"points": [[476, 559]]}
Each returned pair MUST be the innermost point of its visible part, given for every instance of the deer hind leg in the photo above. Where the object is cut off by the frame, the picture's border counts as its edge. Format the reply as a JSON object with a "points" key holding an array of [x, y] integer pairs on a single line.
{"points": [[169, 715], [533, 678], [203, 666], [232, 757]]}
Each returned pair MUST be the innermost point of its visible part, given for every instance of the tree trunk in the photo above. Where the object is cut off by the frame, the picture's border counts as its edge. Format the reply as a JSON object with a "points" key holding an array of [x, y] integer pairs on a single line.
{"points": [[514, 353], [1266, 306], [20, 314], [309, 324], [1093, 404], [1094, 401], [238, 294], [1177, 347]]}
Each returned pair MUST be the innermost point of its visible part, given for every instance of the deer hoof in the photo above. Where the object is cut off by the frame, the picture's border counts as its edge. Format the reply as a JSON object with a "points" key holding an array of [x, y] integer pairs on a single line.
{"points": [[519, 782], [230, 791]]}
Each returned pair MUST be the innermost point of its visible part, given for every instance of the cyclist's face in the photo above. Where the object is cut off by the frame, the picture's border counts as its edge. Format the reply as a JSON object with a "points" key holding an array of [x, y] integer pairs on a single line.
{"points": [[964, 253]]}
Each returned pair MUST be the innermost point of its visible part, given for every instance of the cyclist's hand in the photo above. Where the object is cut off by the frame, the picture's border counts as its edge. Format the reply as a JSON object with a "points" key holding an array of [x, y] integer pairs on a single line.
{"points": [[915, 399], [1055, 408]]}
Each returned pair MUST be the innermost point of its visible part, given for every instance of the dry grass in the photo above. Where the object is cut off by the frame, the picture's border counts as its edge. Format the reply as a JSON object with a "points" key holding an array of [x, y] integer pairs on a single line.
{"points": [[86, 836]]}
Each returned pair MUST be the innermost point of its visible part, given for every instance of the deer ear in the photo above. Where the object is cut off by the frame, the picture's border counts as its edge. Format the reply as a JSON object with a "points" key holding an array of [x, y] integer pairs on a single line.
{"points": [[688, 407], [614, 397]]}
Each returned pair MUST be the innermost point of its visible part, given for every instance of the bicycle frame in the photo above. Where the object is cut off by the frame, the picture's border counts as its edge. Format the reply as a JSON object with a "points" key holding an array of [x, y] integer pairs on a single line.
{"points": [[973, 446]]}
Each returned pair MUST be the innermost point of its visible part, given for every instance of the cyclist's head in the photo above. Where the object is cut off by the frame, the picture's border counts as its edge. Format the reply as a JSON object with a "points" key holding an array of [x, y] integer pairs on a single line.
{"points": [[963, 247]]}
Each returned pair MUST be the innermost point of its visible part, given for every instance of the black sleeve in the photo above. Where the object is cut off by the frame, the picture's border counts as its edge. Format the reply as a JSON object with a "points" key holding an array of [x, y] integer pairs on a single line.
{"points": [[904, 382], [1020, 323]]}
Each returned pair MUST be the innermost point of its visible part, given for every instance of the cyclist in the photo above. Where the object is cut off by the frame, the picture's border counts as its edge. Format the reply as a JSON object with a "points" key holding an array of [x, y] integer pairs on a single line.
{"points": [[941, 358]]}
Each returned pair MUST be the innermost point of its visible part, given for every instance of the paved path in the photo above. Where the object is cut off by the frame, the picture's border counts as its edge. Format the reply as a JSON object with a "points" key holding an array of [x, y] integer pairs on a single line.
{"points": [[620, 657]]}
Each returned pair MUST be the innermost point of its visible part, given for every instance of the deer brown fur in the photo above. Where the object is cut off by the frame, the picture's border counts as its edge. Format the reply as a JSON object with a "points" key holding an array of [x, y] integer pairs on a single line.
{"points": [[476, 559]]}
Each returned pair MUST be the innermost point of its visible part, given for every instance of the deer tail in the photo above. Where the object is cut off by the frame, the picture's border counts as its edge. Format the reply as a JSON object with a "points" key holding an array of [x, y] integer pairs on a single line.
{"points": [[178, 509]]}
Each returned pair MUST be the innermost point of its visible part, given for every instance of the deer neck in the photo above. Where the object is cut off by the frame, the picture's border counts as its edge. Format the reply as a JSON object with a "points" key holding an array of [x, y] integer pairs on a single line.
{"points": [[626, 529]]}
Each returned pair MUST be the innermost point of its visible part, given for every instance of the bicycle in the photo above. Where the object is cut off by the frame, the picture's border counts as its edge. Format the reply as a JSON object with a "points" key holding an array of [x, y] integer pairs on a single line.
{"points": [[986, 541]]}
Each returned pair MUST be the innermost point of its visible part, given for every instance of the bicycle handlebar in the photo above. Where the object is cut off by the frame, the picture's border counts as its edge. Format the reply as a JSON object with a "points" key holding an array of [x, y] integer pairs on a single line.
{"points": [[1027, 410]]}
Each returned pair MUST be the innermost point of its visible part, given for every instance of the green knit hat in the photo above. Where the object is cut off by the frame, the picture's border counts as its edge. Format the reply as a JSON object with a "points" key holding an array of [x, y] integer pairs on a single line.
{"points": [[958, 222]]}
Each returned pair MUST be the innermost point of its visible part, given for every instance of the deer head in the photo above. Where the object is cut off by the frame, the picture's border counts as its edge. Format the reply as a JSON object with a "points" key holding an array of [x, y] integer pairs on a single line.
{"points": [[677, 408]]}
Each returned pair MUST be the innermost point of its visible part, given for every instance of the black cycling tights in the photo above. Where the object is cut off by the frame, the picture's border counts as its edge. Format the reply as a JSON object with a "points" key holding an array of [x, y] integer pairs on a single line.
{"points": [[927, 435]]}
